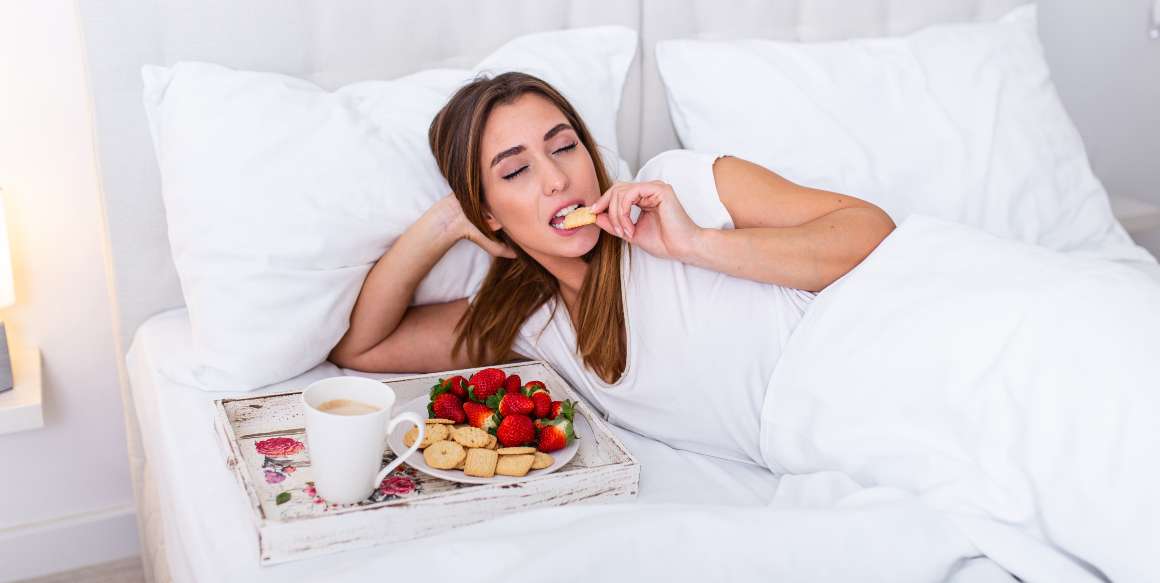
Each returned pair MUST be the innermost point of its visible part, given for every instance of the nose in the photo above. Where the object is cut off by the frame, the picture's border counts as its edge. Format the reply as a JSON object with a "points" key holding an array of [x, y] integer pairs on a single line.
{"points": [[555, 179]]}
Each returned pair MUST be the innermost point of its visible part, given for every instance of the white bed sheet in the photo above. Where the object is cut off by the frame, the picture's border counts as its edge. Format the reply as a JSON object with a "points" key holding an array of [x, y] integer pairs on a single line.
{"points": [[208, 535]]}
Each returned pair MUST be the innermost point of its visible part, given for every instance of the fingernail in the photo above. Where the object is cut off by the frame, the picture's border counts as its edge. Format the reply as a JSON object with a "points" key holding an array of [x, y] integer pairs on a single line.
{"points": [[618, 233]]}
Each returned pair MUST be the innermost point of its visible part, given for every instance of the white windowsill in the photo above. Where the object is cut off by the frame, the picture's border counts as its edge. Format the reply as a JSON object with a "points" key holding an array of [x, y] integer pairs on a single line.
{"points": [[21, 408]]}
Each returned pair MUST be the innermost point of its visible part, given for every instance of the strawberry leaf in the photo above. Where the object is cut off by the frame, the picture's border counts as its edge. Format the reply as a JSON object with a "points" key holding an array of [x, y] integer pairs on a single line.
{"points": [[439, 389], [567, 410], [493, 402]]}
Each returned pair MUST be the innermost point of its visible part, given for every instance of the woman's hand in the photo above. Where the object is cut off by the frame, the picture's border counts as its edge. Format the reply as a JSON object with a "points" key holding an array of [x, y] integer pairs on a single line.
{"points": [[663, 228], [448, 216]]}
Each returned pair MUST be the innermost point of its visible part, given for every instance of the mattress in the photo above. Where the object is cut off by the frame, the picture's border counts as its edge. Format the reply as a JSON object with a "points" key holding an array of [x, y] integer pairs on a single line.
{"points": [[197, 523]]}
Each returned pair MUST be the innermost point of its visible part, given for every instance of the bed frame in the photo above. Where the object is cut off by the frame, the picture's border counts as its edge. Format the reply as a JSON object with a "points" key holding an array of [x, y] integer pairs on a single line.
{"points": [[335, 42]]}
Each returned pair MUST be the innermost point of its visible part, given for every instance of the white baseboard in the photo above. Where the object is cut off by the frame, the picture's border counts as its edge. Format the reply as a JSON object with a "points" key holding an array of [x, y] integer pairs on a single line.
{"points": [[66, 543]]}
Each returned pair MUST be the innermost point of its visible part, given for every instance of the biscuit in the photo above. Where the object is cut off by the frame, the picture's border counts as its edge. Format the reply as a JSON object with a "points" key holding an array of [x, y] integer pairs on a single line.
{"points": [[514, 465], [481, 463], [409, 437], [492, 442], [440, 421], [462, 463], [444, 455], [433, 434], [542, 461], [515, 450], [579, 217], [471, 437]]}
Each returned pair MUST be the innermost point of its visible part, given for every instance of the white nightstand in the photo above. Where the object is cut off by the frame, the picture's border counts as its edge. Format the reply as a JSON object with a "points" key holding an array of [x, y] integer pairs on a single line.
{"points": [[20, 408]]}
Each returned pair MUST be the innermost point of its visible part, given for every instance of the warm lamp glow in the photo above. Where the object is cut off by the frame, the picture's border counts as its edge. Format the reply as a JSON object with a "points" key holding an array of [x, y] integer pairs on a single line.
{"points": [[7, 289]]}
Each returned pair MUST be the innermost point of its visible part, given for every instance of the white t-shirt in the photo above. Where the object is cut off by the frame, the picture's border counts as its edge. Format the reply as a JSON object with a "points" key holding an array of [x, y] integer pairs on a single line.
{"points": [[702, 345]]}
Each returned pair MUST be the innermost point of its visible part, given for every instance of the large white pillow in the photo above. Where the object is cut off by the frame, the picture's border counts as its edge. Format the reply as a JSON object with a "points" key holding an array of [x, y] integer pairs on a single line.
{"points": [[956, 121], [280, 195]]}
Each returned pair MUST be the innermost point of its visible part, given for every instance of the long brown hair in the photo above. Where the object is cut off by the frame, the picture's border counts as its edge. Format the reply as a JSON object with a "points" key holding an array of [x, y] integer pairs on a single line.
{"points": [[514, 288]]}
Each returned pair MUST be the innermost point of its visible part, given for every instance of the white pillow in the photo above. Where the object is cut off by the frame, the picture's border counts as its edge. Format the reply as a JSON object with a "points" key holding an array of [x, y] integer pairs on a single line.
{"points": [[956, 121], [280, 196]]}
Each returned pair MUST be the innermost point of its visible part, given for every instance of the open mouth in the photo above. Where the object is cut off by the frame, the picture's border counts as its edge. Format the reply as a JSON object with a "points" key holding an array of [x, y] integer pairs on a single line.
{"points": [[557, 221]]}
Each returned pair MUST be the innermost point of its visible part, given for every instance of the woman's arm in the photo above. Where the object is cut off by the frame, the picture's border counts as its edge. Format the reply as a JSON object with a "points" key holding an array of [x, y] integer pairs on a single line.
{"points": [[786, 234], [386, 333]]}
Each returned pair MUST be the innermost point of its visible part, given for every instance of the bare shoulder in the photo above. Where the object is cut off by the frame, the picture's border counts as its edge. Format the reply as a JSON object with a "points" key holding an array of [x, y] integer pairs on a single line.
{"points": [[756, 196]]}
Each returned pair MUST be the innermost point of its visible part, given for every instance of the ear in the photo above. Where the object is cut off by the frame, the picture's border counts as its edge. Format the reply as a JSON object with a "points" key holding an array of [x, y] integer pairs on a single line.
{"points": [[490, 220]]}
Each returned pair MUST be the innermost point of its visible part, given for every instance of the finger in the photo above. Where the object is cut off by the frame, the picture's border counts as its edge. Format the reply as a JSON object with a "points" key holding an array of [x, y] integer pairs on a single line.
{"points": [[614, 215], [605, 223], [602, 203], [649, 202], [649, 198], [625, 210]]}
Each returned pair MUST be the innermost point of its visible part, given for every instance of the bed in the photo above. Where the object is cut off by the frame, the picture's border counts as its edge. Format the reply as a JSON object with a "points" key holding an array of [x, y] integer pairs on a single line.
{"points": [[209, 537], [192, 524]]}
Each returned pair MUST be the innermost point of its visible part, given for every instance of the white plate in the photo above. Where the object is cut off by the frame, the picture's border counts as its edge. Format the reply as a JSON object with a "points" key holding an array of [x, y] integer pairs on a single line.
{"points": [[419, 406]]}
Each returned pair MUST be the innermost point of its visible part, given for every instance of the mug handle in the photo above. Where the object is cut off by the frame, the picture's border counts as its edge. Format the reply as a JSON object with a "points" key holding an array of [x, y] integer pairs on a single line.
{"points": [[399, 459]]}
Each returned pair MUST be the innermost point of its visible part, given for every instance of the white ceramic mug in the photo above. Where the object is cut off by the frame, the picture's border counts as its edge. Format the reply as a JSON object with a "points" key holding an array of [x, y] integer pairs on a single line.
{"points": [[346, 450]]}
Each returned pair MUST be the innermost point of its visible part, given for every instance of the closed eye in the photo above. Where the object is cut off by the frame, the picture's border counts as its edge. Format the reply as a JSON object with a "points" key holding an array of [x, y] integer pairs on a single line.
{"points": [[567, 148], [516, 173]]}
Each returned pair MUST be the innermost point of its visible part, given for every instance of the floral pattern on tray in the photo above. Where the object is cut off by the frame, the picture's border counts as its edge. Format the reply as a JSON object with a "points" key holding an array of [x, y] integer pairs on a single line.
{"points": [[279, 467]]}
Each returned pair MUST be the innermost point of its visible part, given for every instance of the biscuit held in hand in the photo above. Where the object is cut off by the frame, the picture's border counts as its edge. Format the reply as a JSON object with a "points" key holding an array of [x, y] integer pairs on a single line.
{"points": [[579, 217]]}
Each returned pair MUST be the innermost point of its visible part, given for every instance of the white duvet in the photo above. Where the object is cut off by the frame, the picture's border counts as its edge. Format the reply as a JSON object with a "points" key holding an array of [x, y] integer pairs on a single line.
{"points": [[1014, 390], [957, 408]]}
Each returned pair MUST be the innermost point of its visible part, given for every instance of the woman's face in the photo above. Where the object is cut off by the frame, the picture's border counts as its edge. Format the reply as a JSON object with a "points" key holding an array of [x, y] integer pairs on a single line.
{"points": [[533, 167]]}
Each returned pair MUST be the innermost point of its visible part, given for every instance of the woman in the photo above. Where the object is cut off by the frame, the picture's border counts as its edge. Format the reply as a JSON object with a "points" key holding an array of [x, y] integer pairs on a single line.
{"points": [[670, 326]]}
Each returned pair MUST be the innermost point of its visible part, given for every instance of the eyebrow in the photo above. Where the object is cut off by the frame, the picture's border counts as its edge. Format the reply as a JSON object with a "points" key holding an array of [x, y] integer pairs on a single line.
{"points": [[517, 149]]}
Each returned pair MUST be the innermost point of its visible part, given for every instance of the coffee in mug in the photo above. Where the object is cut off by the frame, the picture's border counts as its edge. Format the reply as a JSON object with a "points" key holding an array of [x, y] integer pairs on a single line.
{"points": [[347, 407], [347, 421]]}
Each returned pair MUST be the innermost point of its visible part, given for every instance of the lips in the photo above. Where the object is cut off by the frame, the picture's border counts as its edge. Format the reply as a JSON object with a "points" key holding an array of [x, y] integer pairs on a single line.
{"points": [[555, 221]]}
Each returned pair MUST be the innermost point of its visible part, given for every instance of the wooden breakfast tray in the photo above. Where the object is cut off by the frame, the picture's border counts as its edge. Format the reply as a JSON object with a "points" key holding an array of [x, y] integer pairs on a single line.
{"points": [[265, 446]]}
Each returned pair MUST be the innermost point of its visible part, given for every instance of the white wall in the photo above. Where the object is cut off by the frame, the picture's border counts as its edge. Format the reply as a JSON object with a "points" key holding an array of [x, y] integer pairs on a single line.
{"points": [[65, 493], [1108, 74]]}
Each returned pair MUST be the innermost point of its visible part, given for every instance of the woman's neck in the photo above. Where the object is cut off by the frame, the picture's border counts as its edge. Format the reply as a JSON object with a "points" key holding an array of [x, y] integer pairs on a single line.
{"points": [[569, 273]]}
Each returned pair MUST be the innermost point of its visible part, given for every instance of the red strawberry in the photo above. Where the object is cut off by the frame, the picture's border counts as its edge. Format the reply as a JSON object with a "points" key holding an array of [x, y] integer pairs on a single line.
{"points": [[562, 407], [511, 404], [515, 430], [437, 389], [480, 416], [543, 404], [447, 406], [457, 385], [484, 384], [512, 384], [534, 386], [556, 434]]}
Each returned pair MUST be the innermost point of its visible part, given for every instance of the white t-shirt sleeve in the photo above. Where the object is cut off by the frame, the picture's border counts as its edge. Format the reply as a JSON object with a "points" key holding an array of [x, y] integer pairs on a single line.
{"points": [[691, 176]]}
